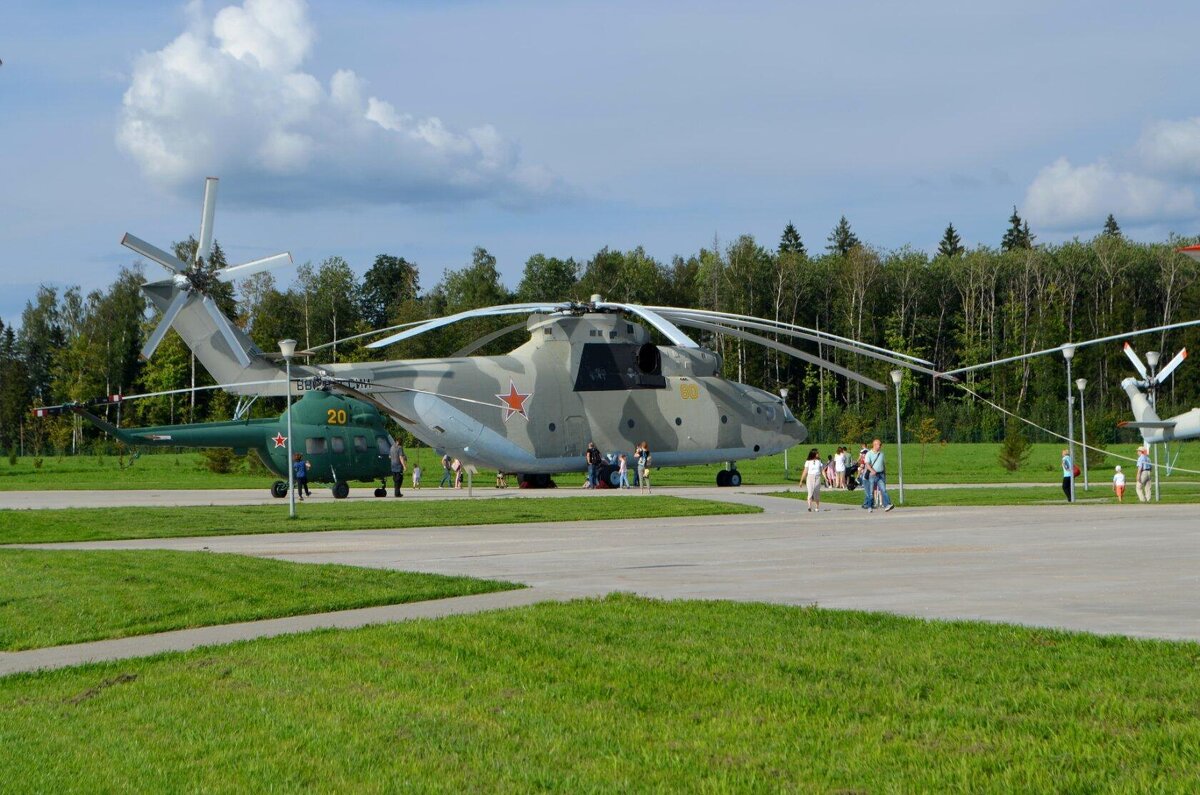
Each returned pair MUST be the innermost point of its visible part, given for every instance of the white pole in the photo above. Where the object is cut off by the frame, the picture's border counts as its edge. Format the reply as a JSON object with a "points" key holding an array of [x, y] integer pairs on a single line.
{"points": [[1068, 354], [1152, 360], [896, 376], [783, 393], [1081, 383], [288, 348]]}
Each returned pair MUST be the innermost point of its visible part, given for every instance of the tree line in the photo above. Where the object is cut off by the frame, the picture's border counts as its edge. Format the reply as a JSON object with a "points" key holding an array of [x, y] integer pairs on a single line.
{"points": [[953, 307]]}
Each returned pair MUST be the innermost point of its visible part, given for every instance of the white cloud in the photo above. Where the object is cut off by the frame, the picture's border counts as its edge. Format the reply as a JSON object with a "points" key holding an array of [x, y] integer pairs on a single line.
{"points": [[229, 98], [1172, 147], [1068, 197]]}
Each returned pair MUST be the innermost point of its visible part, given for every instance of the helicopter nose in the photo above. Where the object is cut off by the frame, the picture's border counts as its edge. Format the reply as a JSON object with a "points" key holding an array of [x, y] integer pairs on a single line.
{"points": [[794, 431]]}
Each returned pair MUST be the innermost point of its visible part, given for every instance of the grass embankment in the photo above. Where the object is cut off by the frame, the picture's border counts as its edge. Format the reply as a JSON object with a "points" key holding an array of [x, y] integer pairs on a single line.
{"points": [[49, 598], [106, 524], [1001, 496], [622, 693], [950, 463]]}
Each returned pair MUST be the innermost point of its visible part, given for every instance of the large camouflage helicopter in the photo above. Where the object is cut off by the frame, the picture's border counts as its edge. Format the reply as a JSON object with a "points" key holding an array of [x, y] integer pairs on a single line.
{"points": [[342, 438], [589, 372]]}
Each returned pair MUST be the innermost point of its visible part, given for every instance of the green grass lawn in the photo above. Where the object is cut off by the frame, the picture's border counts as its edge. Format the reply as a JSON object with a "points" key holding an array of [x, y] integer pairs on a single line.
{"points": [[950, 463], [622, 694], [104, 524], [1007, 495], [49, 598]]}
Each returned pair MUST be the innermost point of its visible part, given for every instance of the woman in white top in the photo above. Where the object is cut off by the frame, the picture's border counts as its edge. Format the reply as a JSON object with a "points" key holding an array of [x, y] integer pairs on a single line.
{"points": [[839, 467], [812, 478]]}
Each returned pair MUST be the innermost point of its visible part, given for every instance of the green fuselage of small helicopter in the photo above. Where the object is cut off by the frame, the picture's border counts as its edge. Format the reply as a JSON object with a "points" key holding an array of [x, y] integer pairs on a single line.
{"points": [[343, 439]]}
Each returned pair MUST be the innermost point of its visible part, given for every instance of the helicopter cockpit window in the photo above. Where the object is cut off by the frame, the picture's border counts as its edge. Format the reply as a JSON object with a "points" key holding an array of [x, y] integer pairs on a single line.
{"points": [[360, 444], [314, 445], [339, 444], [617, 366], [383, 445]]}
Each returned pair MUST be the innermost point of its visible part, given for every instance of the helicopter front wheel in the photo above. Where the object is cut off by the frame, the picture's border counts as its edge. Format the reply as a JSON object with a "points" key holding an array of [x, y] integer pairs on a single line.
{"points": [[279, 489], [341, 490], [380, 492]]}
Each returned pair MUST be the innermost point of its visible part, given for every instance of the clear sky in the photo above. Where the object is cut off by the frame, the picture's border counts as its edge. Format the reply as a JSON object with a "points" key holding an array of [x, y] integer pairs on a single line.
{"points": [[424, 129]]}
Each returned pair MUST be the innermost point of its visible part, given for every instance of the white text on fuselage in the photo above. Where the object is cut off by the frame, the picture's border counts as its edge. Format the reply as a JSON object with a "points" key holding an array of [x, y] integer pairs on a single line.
{"points": [[315, 383]]}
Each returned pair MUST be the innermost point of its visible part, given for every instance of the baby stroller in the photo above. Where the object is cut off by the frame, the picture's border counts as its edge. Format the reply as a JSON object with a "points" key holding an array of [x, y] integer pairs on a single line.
{"points": [[852, 476]]}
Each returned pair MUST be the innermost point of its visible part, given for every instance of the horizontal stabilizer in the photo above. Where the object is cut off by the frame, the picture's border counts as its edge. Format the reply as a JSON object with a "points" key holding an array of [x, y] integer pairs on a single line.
{"points": [[1155, 425]]}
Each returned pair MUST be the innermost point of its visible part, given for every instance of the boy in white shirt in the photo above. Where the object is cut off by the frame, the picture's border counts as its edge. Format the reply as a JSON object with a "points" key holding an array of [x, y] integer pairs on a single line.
{"points": [[1119, 484]]}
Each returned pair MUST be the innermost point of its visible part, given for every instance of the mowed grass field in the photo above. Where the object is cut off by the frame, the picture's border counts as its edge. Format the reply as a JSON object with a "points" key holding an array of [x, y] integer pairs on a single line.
{"points": [[949, 463], [51, 597], [104, 524], [622, 694]]}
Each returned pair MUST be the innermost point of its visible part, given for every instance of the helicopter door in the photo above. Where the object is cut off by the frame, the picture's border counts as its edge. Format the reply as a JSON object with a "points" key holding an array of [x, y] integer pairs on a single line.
{"points": [[574, 440]]}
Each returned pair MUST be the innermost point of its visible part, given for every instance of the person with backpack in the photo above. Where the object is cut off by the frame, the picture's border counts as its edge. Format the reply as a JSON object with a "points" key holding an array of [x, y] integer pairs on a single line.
{"points": [[592, 457]]}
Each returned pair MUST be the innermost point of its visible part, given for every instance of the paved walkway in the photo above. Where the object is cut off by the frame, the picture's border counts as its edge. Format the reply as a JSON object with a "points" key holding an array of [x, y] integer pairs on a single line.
{"points": [[182, 497], [184, 639]]}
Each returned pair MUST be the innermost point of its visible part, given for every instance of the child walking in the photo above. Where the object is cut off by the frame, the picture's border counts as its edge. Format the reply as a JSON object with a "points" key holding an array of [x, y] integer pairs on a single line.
{"points": [[1119, 484], [300, 469], [623, 471]]}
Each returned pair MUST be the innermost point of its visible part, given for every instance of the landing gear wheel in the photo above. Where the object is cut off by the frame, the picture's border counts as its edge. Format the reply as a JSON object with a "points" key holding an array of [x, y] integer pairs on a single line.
{"points": [[606, 477], [279, 489], [723, 478], [380, 492], [735, 478], [341, 490]]}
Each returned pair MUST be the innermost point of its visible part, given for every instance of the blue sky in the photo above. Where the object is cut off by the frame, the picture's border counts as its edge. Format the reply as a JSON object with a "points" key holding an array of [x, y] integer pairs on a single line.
{"points": [[425, 129]]}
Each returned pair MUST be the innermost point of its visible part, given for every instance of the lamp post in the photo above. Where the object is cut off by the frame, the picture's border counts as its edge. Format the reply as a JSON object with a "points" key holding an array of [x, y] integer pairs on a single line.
{"points": [[1081, 383], [896, 376], [1068, 352], [288, 349], [783, 393], [1152, 360]]}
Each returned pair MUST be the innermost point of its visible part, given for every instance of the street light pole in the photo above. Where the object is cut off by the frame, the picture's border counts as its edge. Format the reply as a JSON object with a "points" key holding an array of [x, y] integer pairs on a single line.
{"points": [[783, 393], [1081, 383], [1152, 360], [896, 376], [288, 349], [1068, 352]]}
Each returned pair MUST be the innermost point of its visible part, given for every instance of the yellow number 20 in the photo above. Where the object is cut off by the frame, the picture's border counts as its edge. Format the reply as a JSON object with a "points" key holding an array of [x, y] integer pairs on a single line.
{"points": [[335, 416]]}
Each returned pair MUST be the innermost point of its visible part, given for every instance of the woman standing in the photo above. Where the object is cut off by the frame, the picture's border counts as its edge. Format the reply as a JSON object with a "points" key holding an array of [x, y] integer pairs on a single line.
{"points": [[642, 454], [812, 476]]}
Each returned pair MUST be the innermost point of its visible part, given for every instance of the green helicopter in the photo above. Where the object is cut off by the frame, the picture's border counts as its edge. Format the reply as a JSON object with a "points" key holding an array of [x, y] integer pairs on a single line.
{"points": [[344, 440]]}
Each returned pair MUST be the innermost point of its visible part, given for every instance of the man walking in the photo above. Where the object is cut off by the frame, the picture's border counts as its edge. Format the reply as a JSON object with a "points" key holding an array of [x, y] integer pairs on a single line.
{"points": [[875, 479], [1144, 468], [447, 473], [592, 457], [399, 464]]}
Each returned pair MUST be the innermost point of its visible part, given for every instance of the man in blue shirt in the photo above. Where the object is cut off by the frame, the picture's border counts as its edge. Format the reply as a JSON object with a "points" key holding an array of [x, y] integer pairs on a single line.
{"points": [[1143, 474], [875, 478]]}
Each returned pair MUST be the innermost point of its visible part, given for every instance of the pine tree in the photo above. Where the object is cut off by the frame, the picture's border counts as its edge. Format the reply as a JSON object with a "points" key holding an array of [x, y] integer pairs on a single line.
{"points": [[951, 245], [790, 242], [1018, 234], [1111, 229], [842, 239], [1015, 448]]}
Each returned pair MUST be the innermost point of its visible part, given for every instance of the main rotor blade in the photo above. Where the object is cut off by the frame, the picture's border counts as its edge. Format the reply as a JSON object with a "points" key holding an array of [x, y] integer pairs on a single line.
{"points": [[816, 335], [253, 266], [204, 246], [789, 350], [669, 329], [1171, 365], [763, 325], [226, 330], [1137, 361], [476, 344], [152, 252], [1058, 348], [164, 325], [488, 311]]}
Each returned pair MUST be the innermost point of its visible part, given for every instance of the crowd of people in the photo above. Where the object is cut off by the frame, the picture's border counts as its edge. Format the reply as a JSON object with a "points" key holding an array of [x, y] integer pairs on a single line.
{"points": [[841, 471]]}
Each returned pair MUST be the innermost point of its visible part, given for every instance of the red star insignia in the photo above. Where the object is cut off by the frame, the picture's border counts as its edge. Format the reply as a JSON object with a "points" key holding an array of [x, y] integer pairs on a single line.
{"points": [[279, 439], [514, 401]]}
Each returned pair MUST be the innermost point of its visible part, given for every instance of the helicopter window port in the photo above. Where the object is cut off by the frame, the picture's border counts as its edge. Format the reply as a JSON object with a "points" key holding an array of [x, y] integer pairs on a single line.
{"points": [[314, 445], [552, 427], [383, 445], [612, 366], [339, 444], [630, 423], [679, 420], [724, 418], [360, 444]]}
